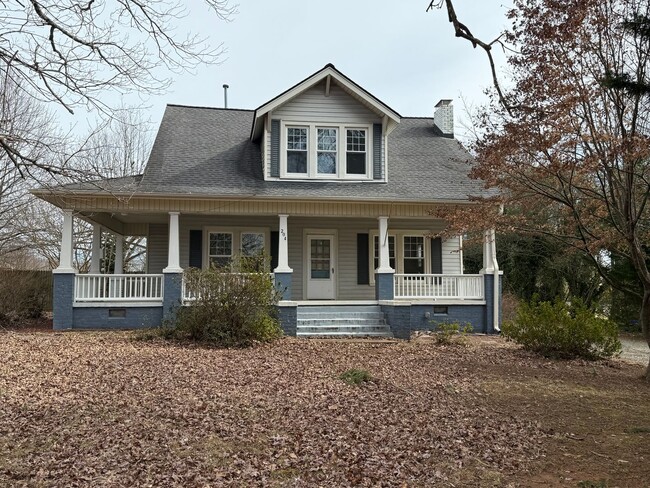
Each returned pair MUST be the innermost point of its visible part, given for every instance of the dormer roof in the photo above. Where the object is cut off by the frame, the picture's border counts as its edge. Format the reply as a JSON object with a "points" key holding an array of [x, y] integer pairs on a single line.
{"points": [[328, 73]]}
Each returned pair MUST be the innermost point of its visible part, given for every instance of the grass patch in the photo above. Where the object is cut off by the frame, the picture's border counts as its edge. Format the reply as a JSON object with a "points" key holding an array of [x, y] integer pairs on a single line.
{"points": [[638, 430], [355, 376]]}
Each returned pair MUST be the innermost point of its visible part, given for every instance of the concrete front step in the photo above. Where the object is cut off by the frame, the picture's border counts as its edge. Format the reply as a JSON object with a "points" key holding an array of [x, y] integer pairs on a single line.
{"points": [[344, 334], [341, 321]]}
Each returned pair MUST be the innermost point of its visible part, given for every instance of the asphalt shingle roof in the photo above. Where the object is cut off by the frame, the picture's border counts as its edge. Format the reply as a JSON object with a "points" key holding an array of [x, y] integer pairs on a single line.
{"points": [[208, 152]]}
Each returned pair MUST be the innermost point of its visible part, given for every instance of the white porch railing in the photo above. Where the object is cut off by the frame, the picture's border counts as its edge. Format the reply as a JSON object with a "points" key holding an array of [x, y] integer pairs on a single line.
{"points": [[458, 287], [190, 296], [118, 287]]}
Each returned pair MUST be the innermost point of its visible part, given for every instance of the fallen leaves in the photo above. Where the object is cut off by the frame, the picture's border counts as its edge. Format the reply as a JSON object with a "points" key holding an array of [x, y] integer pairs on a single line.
{"points": [[98, 409]]}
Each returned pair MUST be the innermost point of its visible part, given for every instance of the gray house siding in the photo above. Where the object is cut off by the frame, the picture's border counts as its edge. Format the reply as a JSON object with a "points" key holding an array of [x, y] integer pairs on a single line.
{"points": [[313, 106]]}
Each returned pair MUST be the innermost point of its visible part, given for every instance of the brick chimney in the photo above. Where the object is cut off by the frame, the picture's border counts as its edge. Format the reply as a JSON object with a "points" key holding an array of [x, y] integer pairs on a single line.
{"points": [[443, 117]]}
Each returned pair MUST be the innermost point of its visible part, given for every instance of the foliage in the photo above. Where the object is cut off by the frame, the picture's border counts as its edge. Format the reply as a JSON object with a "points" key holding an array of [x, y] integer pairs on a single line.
{"points": [[451, 332], [355, 376], [540, 265], [233, 306], [24, 294], [567, 150], [563, 330]]}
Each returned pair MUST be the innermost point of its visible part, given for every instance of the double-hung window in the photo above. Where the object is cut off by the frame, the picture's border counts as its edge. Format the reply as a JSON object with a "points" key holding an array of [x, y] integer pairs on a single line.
{"points": [[327, 151], [220, 249], [297, 156], [355, 154], [413, 254]]}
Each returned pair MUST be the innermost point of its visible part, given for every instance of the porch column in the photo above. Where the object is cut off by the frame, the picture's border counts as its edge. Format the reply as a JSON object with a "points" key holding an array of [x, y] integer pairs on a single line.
{"points": [[63, 278], [492, 283], [119, 254], [173, 280], [283, 273], [65, 259], [173, 255], [96, 250], [384, 274]]}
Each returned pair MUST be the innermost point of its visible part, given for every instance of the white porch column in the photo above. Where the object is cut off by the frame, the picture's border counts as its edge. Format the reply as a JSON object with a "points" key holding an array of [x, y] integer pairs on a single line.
{"points": [[65, 260], [488, 246], [384, 254], [96, 250], [283, 247], [119, 254], [173, 256]]}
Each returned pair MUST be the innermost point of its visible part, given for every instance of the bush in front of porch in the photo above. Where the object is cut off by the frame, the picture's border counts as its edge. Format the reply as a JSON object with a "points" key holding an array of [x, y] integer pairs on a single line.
{"points": [[233, 306]]}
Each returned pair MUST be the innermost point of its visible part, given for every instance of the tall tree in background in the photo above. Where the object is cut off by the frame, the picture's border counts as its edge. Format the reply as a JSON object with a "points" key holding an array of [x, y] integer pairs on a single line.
{"points": [[568, 152]]}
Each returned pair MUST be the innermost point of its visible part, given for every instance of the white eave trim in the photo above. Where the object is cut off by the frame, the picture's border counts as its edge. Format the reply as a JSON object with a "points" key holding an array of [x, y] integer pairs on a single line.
{"points": [[317, 77]]}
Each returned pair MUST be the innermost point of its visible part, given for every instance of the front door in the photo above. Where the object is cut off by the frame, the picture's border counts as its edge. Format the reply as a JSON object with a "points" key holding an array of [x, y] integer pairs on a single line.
{"points": [[320, 267]]}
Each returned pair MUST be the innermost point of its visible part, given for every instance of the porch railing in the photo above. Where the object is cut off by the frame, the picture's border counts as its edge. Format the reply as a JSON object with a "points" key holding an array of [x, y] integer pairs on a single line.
{"points": [[459, 287], [118, 287], [190, 296]]}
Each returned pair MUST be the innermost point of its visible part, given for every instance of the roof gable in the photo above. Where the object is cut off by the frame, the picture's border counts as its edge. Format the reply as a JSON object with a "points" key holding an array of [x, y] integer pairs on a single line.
{"points": [[326, 74]]}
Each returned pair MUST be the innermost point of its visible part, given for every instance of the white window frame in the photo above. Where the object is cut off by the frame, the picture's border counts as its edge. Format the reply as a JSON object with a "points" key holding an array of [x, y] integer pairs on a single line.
{"points": [[207, 261], [399, 250], [312, 151], [345, 148], [236, 239]]}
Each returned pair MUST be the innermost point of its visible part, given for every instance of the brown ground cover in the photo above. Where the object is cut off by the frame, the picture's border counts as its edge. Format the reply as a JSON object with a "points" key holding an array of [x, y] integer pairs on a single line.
{"points": [[100, 409]]}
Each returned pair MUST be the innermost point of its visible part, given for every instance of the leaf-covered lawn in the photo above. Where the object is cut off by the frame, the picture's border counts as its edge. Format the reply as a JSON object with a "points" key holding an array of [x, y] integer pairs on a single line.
{"points": [[100, 409]]}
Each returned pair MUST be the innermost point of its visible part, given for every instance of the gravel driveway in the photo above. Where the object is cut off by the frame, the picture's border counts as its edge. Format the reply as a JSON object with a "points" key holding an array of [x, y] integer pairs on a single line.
{"points": [[635, 350]]}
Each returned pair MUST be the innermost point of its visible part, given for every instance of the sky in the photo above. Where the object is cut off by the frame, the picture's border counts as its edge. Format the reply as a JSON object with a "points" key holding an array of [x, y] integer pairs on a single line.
{"points": [[405, 56]]}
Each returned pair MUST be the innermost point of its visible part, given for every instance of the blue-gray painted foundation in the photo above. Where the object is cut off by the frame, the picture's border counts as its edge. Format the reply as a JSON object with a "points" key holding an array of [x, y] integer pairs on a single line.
{"points": [[62, 300], [406, 319], [384, 286], [172, 295], [134, 317], [283, 285], [288, 317]]}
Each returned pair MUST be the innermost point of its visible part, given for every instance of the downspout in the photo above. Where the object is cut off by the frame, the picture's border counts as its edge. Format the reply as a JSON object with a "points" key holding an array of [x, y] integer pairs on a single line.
{"points": [[495, 272], [495, 265]]}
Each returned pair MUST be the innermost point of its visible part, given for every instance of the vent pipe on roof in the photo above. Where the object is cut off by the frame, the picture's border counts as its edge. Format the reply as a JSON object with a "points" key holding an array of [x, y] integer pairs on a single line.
{"points": [[225, 96], [443, 117]]}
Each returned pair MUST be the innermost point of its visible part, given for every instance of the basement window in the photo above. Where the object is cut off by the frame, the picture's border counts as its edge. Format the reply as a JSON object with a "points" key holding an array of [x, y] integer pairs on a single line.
{"points": [[117, 313], [440, 310]]}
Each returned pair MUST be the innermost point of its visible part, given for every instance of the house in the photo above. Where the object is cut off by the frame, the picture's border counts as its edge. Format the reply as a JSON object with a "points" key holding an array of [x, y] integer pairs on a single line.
{"points": [[326, 178]]}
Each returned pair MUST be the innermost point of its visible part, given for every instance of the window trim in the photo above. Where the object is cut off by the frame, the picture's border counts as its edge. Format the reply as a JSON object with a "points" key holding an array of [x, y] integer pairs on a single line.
{"points": [[232, 247], [345, 144], [236, 233], [312, 151]]}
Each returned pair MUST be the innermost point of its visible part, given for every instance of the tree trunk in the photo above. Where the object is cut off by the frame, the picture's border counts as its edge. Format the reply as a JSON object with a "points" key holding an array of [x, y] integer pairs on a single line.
{"points": [[645, 323]]}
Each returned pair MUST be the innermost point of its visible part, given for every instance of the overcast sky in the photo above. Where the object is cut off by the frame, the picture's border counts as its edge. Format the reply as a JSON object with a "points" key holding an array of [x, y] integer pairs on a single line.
{"points": [[406, 57]]}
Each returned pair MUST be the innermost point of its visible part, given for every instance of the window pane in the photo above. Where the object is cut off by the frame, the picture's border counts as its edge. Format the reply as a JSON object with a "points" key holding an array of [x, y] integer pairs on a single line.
{"points": [[216, 262], [297, 139], [327, 163], [356, 140], [220, 244], [327, 139], [413, 266], [252, 244], [356, 163], [296, 162]]}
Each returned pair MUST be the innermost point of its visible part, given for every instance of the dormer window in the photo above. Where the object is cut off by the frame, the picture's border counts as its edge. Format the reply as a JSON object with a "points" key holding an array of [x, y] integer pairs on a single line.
{"points": [[297, 150], [327, 152], [356, 151]]}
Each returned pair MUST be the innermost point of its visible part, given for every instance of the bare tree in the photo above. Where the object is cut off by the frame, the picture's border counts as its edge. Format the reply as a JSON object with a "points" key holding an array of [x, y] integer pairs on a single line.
{"points": [[569, 152], [72, 53]]}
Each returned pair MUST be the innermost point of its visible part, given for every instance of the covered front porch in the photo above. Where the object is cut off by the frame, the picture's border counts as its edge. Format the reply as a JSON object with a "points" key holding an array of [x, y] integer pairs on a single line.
{"points": [[355, 260]]}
